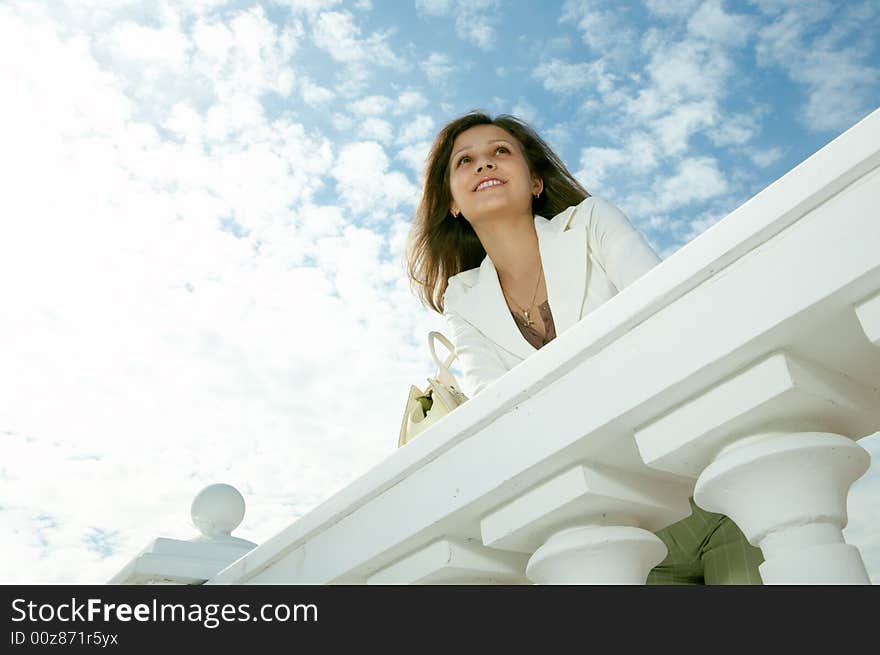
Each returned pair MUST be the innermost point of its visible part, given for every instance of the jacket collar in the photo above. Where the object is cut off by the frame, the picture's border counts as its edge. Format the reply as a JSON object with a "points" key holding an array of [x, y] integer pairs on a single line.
{"points": [[564, 257]]}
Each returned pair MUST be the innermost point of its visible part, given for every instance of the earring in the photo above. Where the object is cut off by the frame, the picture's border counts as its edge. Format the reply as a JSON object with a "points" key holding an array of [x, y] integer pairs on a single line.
{"points": [[454, 213]]}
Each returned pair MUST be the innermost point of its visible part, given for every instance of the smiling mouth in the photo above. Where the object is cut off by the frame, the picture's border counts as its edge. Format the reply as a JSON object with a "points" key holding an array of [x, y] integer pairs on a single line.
{"points": [[489, 184]]}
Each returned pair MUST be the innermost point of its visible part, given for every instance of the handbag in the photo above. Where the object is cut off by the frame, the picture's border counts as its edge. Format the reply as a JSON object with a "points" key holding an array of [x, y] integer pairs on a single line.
{"points": [[442, 395]]}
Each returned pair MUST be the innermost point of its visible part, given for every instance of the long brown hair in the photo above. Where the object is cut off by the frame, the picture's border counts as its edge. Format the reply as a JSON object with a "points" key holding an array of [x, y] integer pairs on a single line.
{"points": [[440, 246]]}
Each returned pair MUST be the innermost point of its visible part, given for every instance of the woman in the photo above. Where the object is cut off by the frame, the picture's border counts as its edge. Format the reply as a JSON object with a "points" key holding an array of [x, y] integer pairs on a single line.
{"points": [[509, 280]]}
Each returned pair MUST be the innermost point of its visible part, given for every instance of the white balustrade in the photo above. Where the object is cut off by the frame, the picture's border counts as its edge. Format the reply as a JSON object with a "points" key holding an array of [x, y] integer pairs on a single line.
{"points": [[868, 312], [748, 440], [454, 562], [741, 371], [216, 511], [787, 492], [588, 526]]}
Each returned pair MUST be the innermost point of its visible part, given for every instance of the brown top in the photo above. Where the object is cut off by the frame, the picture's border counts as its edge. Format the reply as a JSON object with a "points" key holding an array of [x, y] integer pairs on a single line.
{"points": [[530, 333]]}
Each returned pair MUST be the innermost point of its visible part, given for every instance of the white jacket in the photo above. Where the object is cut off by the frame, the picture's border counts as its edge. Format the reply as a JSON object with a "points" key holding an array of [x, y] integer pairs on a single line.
{"points": [[486, 338]]}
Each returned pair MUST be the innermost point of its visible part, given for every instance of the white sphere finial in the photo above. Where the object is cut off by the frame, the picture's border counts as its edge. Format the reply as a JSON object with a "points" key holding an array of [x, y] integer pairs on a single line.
{"points": [[217, 510]]}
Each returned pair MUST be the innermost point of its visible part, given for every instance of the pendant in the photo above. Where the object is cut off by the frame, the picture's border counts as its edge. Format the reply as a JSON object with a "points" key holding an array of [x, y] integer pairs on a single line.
{"points": [[528, 320]]}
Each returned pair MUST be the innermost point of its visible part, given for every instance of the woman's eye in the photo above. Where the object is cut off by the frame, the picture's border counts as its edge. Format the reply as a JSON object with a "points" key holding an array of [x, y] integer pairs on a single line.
{"points": [[501, 149], [462, 160]]}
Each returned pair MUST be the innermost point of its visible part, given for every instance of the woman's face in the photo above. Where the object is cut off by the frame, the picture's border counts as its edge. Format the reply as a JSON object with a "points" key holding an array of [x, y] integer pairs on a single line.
{"points": [[488, 174]]}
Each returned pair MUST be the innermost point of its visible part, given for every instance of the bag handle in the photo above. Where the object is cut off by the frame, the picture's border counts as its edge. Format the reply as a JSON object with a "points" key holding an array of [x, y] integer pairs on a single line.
{"points": [[446, 342], [444, 375]]}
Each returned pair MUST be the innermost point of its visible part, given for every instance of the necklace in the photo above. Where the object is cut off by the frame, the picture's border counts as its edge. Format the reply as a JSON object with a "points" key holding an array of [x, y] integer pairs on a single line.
{"points": [[526, 312]]}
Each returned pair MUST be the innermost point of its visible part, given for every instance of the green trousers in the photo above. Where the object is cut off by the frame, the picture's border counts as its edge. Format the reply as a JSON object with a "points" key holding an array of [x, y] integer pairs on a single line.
{"points": [[706, 548]]}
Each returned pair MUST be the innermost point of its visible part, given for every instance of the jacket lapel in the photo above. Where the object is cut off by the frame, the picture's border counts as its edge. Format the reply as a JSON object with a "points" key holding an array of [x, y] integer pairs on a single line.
{"points": [[484, 307], [564, 257]]}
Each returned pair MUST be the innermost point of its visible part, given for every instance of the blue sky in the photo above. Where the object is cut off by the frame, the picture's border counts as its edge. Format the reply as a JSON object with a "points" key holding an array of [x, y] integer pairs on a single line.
{"points": [[206, 203]]}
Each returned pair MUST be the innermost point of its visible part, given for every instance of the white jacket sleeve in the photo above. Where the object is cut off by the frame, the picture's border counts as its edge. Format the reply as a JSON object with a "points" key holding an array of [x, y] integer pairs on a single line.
{"points": [[621, 249], [477, 357]]}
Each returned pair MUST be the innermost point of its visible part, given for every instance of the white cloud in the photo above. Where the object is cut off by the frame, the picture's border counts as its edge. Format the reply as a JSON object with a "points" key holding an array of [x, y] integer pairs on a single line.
{"points": [[840, 85], [166, 45], [475, 20], [415, 156], [596, 162], [185, 122], [562, 77], [157, 296], [418, 128], [193, 7], [478, 29], [604, 28], [438, 66], [525, 110], [682, 94], [674, 129], [366, 184], [841, 76], [321, 220], [342, 122], [249, 54], [672, 8], [376, 128], [766, 157], [371, 106], [646, 115], [435, 7], [213, 39], [338, 34], [310, 7], [643, 152], [697, 179], [639, 155], [699, 225], [734, 129], [558, 136], [237, 113], [314, 94], [410, 101], [688, 69], [712, 23]]}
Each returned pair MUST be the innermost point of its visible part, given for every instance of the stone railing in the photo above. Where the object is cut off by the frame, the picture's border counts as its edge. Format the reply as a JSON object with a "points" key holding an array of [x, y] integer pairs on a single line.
{"points": [[740, 371], [216, 511]]}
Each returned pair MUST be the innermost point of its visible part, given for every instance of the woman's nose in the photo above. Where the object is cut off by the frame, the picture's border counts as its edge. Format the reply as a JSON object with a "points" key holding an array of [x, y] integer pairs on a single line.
{"points": [[487, 165]]}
